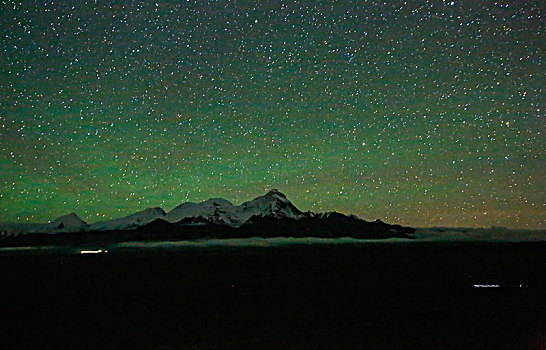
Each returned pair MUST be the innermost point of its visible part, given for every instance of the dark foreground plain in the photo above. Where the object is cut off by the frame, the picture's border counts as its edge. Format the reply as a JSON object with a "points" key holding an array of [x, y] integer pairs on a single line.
{"points": [[371, 296]]}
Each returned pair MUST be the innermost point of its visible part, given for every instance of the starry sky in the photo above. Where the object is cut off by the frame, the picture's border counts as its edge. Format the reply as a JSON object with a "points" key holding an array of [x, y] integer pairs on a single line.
{"points": [[426, 113]]}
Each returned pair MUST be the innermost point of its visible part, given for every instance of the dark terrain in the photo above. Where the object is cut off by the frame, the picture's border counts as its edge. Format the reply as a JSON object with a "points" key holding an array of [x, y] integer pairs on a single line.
{"points": [[330, 225], [372, 296]]}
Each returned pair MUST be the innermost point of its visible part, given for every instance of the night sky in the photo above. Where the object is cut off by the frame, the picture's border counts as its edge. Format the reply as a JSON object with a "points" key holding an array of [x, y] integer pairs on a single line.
{"points": [[427, 113]]}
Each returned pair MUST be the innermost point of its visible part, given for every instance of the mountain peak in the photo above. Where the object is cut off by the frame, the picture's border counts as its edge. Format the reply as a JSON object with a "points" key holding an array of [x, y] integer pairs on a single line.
{"points": [[222, 211], [68, 220], [154, 210], [273, 203], [273, 196], [274, 192], [134, 220], [217, 202]]}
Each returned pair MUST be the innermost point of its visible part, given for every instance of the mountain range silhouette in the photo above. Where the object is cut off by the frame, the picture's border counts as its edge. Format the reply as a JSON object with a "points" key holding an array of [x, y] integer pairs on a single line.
{"points": [[270, 215]]}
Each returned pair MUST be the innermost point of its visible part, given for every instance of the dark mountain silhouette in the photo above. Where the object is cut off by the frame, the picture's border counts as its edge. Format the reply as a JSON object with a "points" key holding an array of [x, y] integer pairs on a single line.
{"points": [[271, 215]]}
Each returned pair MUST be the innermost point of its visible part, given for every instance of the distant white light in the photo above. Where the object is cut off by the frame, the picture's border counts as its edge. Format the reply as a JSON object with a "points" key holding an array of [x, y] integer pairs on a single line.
{"points": [[93, 251], [486, 286]]}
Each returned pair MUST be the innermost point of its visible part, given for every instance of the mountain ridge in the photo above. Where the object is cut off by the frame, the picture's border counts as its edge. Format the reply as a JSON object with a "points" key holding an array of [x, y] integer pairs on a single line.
{"points": [[269, 215]]}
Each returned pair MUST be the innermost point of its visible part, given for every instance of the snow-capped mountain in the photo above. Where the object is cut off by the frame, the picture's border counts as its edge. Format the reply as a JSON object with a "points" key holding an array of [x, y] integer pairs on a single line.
{"points": [[214, 210], [131, 221], [270, 215], [274, 204], [206, 209], [221, 211]]}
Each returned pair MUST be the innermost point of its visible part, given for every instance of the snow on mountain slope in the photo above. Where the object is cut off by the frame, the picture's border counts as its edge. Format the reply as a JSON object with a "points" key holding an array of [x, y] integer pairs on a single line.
{"points": [[217, 210], [138, 219], [212, 208], [274, 203]]}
